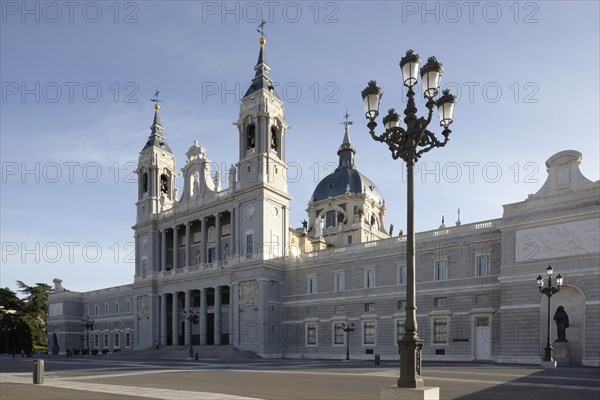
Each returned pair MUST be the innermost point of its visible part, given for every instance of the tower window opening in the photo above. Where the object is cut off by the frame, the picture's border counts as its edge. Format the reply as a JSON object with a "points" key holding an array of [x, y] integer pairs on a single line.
{"points": [[164, 184], [145, 182], [251, 137], [274, 139]]}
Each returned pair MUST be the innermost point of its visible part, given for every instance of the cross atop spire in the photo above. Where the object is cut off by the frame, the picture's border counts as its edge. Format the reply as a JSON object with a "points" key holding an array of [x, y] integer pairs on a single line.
{"points": [[261, 30], [346, 151]]}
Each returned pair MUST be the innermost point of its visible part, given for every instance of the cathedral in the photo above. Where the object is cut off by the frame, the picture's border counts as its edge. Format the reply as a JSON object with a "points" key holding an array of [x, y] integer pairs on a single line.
{"points": [[222, 268]]}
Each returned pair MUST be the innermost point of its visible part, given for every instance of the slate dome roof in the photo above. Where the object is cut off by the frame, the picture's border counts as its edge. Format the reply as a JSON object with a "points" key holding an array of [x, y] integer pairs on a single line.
{"points": [[345, 175]]}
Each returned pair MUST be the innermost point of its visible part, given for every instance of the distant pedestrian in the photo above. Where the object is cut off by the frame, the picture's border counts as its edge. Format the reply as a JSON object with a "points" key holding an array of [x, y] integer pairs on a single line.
{"points": [[22, 353], [157, 345]]}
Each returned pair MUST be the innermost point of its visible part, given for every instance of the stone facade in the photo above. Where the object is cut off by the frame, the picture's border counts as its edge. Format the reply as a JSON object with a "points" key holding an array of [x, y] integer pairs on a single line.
{"points": [[222, 266]]}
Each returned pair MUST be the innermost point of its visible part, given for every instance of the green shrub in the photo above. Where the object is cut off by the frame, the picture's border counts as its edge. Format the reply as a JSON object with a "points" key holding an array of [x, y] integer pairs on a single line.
{"points": [[105, 351], [116, 350], [94, 352], [85, 352], [76, 352]]}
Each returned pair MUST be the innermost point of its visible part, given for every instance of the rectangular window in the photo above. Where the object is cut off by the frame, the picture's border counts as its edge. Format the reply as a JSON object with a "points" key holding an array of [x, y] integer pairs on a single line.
{"points": [[349, 239], [338, 333], [106, 308], [212, 252], [116, 308], [117, 344], [96, 310], [106, 340], [127, 339], [312, 284], [127, 306], [399, 329], [96, 340], [338, 279], [144, 267], [311, 334], [339, 309], [483, 265], [369, 306], [275, 245], [403, 277], [402, 305], [370, 278], [440, 270], [369, 332], [330, 218], [249, 245], [440, 302], [439, 330]]}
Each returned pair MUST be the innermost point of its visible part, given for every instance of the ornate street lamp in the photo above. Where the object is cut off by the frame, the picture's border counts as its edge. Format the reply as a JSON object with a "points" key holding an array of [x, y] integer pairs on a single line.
{"points": [[192, 316], [348, 329], [409, 143], [549, 290], [88, 324]]}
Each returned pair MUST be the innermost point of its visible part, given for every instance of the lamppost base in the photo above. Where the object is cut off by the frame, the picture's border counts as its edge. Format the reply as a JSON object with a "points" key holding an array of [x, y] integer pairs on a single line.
{"points": [[400, 393], [548, 364]]}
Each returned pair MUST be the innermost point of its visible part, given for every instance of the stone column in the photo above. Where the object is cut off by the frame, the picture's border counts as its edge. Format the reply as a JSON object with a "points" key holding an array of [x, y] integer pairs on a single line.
{"points": [[163, 319], [217, 329], [175, 322], [175, 246], [203, 316], [188, 323], [218, 238], [232, 234], [234, 299], [204, 227], [163, 250], [263, 303], [188, 244]]}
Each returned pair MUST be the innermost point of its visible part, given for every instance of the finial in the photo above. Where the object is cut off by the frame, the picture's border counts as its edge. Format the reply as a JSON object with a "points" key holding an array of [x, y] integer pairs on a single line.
{"points": [[346, 123], [261, 30], [458, 221], [156, 100], [443, 225]]}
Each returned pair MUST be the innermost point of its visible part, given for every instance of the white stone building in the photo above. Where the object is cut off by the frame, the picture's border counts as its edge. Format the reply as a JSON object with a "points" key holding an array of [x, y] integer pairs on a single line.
{"points": [[223, 267]]}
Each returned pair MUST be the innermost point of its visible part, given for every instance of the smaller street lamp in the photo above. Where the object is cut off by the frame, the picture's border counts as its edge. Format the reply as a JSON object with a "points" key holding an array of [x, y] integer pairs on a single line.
{"points": [[192, 316], [88, 324], [348, 329], [549, 290]]}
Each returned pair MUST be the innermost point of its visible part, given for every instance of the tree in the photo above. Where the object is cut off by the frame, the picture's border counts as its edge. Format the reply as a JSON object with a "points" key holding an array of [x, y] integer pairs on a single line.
{"points": [[35, 311], [14, 332]]}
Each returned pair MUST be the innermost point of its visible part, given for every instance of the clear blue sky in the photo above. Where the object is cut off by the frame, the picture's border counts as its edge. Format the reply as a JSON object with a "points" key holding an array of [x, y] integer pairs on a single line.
{"points": [[77, 79]]}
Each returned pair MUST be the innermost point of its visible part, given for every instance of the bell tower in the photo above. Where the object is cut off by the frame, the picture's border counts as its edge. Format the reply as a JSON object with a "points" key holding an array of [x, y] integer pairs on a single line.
{"points": [[156, 172], [262, 128]]}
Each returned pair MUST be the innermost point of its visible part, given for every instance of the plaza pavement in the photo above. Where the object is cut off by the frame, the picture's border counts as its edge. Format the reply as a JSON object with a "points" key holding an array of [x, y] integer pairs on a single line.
{"points": [[122, 377]]}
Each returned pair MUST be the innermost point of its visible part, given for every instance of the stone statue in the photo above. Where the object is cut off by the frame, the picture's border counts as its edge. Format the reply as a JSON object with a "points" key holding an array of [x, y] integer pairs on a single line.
{"points": [[304, 225], [55, 348], [562, 323], [391, 229], [58, 285], [319, 227]]}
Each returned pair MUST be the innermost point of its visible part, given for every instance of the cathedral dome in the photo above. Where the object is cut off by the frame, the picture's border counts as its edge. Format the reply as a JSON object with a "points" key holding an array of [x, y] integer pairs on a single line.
{"points": [[346, 178]]}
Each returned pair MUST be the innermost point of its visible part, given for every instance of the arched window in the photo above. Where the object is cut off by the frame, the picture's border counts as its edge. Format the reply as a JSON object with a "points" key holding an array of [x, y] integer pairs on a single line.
{"points": [[251, 136], [145, 182], [274, 139], [164, 184]]}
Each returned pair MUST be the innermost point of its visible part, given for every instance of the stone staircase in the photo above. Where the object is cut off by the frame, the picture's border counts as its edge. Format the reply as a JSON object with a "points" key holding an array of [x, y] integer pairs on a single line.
{"points": [[204, 352]]}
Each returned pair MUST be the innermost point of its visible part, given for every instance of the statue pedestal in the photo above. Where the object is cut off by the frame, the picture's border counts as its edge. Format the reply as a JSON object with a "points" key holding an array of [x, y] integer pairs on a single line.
{"points": [[561, 353]]}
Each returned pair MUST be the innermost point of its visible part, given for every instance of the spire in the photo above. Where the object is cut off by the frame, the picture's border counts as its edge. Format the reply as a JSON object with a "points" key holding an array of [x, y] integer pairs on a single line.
{"points": [[261, 77], [347, 150], [156, 138]]}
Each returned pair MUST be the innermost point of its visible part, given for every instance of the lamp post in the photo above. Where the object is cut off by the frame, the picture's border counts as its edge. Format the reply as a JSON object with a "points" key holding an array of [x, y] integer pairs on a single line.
{"points": [[348, 329], [409, 144], [549, 290], [88, 324]]}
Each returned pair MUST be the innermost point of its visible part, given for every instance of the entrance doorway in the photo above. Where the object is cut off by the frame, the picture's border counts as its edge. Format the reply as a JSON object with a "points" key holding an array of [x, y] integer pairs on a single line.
{"points": [[483, 343]]}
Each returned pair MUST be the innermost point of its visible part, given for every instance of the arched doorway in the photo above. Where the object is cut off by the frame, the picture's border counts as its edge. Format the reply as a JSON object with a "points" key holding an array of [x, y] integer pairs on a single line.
{"points": [[573, 300]]}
